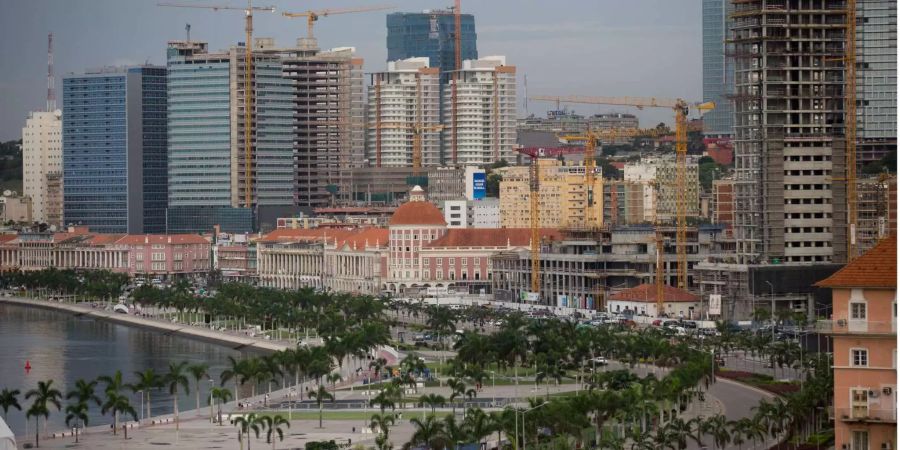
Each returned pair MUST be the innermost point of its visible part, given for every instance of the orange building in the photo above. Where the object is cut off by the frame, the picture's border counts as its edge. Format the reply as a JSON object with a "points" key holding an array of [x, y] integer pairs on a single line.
{"points": [[864, 328]]}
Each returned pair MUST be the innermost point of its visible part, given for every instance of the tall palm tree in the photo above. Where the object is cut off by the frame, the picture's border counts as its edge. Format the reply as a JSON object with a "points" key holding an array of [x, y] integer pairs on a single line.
{"points": [[321, 395], [457, 390], [273, 426], [117, 404], [717, 427], [235, 372], [432, 400], [198, 372], [77, 413], [429, 432], [43, 395], [8, 399], [478, 424], [382, 422], [245, 424], [220, 395], [147, 381], [177, 377]]}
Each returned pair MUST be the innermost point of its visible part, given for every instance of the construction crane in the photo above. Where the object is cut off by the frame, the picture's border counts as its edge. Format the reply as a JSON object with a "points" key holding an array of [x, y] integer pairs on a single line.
{"points": [[589, 137], [534, 195], [681, 109], [313, 16], [248, 83]]}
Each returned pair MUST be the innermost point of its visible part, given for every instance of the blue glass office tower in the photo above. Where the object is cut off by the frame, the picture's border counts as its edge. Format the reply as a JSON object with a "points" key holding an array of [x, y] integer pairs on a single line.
{"points": [[430, 34], [114, 150], [718, 68]]}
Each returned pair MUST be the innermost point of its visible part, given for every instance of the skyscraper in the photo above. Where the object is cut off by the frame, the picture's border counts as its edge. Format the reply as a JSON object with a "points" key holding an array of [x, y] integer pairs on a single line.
{"points": [[431, 34], [876, 79], [718, 68], [41, 157], [405, 96], [790, 204], [114, 149], [207, 162], [485, 123]]}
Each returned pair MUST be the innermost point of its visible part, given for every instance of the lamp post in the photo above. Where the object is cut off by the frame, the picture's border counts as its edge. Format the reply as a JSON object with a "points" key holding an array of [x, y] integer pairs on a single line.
{"points": [[772, 298], [291, 403], [523, 419], [211, 384], [142, 405], [493, 390]]}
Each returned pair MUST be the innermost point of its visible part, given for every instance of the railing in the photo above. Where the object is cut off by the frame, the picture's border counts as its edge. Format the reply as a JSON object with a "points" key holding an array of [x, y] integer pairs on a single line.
{"points": [[845, 326], [870, 415]]}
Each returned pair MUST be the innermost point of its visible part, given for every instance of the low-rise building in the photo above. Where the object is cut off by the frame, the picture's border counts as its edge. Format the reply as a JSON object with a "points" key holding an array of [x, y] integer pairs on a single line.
{"points": [[483, 213], [15, 208], [563, 198], [642, 301], [358, 262], [864, 330]]}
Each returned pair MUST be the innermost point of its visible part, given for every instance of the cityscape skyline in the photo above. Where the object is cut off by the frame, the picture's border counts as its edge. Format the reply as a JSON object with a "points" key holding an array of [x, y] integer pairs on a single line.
{"points": [[526, 35]]}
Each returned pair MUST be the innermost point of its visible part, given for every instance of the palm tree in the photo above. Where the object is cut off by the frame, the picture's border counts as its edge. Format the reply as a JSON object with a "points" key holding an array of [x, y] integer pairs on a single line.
{"points": [[680, 431], [457, 390], [382, 422], [176, 377], [147, 381], [8, 399], [478, 424], [75, 413], [44, 393], [245, 424], [321, 396], [429, 432], [220, 395], [117, 404], [84, 392], [235, 372], [272, 425], [717, 427], [198, 371], [432, 400]]}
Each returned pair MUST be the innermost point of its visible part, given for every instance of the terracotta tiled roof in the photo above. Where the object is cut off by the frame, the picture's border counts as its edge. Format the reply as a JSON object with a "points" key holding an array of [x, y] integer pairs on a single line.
{"points": [[877, 268], [137, 239], [490, 237], [306, 234], [417, 213], [366, 236], [4, 238], [647, 293], [104, 239]]}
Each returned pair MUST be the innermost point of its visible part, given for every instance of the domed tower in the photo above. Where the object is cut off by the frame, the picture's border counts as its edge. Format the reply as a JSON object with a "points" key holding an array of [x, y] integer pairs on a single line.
{"points": [[414, 224]]}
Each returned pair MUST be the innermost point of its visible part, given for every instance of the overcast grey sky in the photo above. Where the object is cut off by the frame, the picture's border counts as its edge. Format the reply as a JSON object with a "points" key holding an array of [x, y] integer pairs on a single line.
{"points": [[585, 47]]}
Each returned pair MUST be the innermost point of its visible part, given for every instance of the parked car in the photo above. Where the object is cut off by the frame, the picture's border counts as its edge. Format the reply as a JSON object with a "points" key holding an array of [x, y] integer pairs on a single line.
{"points": [[601, 361], [656, 323]]}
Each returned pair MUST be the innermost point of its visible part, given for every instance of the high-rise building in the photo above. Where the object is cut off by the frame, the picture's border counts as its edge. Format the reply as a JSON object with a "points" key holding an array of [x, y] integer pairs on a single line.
{"points": [[329, 122], [41, 157], [718, 68], [207, 157], [789, 146], [483, 119], [562, 199], [114, 149], [430, 34], [876, 79], [403, 101]]}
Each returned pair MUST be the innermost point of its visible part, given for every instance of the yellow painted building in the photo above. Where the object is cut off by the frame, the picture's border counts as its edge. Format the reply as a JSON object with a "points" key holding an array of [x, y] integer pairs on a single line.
{"points": [[563, 197]]}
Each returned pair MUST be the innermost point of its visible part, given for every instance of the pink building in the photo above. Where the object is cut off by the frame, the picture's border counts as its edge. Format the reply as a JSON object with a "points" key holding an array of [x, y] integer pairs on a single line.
{"points": [[415, 224], [159, 255], [864, 329]]}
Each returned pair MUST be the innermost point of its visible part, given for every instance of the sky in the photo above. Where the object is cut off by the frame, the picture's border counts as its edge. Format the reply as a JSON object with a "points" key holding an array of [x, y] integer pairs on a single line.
{"points": [[565, 47]]}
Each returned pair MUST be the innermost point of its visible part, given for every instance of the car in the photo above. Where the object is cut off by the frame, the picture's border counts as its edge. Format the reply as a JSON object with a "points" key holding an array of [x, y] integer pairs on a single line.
{"points": [[601, 360], [689, 324], [670, 323], [656, 323]]}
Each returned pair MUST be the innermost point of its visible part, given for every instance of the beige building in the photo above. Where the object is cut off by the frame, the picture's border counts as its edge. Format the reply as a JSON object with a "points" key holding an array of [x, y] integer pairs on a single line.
{"points": [[563, 197], [15, 208], [660, 194], [41, 157]]}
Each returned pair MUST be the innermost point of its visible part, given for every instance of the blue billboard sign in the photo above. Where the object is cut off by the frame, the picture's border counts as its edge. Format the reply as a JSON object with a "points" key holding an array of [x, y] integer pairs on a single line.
{"points": [[479, 185]]}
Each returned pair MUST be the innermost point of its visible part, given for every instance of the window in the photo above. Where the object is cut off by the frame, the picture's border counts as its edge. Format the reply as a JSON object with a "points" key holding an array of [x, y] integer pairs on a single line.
{"points": [[139, 256], [860, 440], [426, 262], [857, 311], [859, 357], [859, 402]]}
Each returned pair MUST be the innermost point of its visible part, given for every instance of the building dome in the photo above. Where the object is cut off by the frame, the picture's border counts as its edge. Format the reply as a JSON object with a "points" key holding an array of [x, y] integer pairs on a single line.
{"points": [[417, 213]]}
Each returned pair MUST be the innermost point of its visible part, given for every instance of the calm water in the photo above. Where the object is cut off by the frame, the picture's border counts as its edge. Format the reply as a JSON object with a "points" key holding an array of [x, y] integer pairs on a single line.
{"points": [[65, 348]]}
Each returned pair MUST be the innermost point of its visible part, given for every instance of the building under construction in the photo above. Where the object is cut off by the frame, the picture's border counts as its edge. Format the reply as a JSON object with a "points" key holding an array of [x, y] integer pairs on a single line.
{"points": [[790, 204]]}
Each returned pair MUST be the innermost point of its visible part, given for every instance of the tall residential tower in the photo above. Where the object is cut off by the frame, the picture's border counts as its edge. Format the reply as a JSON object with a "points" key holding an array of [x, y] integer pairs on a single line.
{"points": [[718, 68], [430, 34]]}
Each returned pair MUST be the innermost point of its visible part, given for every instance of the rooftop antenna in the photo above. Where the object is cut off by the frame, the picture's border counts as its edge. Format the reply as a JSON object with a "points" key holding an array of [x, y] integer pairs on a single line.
{"points": [[526, 94], [51, 83], [187, 28]]}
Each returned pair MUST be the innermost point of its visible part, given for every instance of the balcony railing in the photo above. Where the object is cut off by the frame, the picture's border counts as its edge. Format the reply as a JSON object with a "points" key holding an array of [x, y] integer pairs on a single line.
{"points": [[870, 415], [849, 326]]}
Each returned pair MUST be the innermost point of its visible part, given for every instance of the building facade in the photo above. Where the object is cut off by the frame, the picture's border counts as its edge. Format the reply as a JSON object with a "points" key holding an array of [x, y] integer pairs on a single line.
{"points": [[114, 150], [41, 158], [789, 143], [876, 79], [404, 110], [864, 330], [480, 128], [563, 197], [431, 34], [718, 68]]}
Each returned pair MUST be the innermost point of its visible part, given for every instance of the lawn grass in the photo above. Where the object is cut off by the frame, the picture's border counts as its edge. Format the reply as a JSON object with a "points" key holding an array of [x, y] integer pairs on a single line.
{"points": [[347, 415]]}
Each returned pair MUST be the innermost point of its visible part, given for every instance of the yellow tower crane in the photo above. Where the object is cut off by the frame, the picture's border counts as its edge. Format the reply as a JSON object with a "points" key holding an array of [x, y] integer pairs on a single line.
{"points": [[681, 109], [313, 16], [248, 84]]}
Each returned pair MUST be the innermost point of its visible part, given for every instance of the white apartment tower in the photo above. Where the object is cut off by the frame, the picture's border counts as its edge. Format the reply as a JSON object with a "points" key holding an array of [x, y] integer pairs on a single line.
{"points": [[483, 122], [404, 101], [41, 157]]}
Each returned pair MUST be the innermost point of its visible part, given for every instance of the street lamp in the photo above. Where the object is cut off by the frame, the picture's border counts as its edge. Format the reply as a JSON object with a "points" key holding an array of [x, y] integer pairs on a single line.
{"points": [[493, 390], [523, 420], [291, 403], [211, 384], [772, 298], [142, 406]]}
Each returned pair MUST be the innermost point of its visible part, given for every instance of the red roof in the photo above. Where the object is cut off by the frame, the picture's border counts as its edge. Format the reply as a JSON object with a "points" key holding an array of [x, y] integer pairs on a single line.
{"points": [[137, 239], [877, 268], [306, 234], [490, 237], [4, 238], [647, 293], [366, 237], [417, 213]]}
